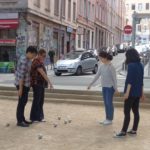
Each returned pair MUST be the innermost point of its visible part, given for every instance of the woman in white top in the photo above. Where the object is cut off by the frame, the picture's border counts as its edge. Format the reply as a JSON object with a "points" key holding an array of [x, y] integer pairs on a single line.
{"points": [[109, 84]]}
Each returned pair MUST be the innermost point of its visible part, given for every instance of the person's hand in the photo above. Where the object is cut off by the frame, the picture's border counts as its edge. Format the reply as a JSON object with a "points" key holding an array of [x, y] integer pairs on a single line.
{"points": [[89, 87], [126, 96], [117, 93], [20, 92], [51, 87], [143, 98]]}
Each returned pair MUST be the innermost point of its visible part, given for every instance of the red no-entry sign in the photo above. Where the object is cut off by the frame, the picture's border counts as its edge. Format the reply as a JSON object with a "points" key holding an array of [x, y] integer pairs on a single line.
{"points": [[128, 29]]}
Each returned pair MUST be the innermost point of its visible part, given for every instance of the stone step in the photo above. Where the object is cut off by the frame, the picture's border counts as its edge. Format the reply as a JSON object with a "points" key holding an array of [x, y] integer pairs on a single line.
{"points": [[75, 101], [62, 96], [61, 91]]}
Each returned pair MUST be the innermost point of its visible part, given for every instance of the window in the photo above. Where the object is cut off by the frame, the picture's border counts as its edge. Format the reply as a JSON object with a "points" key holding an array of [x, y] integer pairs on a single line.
{"points": [[133, 6], [63, 8], [85, 9], [56, 7], [140, 6], [127, 6], [47, 5], [97, 10], [79, 40], [8, 1], [69, 9], [145, 28], [37, 3], [84, 38], [147, 6], [8, 34], [80, 7], [139, 28], [93, 14], [89, 9], [74, 11]]}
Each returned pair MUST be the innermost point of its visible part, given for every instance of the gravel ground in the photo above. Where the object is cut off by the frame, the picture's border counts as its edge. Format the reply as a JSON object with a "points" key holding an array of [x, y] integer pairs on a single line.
{"points": [[83, 133]]}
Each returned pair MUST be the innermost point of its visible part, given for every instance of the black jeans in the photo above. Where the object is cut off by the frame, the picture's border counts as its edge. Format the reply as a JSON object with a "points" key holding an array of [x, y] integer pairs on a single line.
{"points": [[131, 103], [37, 113], [22, 101]]}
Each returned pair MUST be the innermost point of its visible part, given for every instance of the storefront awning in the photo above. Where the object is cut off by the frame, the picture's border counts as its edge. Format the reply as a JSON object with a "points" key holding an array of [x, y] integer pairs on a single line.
{"points": [[9, 24]]}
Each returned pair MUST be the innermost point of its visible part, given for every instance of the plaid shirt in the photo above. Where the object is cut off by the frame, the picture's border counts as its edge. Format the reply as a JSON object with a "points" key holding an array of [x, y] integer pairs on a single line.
{"points": [[23, 71]]}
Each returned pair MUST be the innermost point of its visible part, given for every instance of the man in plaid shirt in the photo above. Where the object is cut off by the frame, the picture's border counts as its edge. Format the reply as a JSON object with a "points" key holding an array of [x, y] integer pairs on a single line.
{"points": [[22, 82]]}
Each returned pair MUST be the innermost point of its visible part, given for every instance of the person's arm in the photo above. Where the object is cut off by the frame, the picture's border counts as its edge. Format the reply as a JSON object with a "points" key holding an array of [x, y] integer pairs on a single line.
{"points": [[95, 78], [126, 95], [21, 77], [130, 77], [41, 71], [114, 76]]}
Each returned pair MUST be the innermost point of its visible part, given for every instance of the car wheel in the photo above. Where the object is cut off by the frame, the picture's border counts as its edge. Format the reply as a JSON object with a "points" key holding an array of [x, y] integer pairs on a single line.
{"points": [[57, 73], [95, 69], [79, 71]]}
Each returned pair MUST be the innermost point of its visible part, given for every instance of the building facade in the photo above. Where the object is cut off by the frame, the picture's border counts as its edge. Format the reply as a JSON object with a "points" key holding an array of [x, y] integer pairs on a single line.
{"points": [[59, 25], [143, 27], [48, 24], [99, 23]]}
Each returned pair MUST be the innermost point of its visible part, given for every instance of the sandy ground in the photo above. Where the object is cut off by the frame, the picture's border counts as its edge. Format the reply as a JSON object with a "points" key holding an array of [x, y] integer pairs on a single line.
{"points": [[83, 133]]}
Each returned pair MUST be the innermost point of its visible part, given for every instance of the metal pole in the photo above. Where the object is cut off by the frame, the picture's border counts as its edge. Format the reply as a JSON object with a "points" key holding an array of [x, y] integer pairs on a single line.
{"points": [[134, 28], [149, 67]]}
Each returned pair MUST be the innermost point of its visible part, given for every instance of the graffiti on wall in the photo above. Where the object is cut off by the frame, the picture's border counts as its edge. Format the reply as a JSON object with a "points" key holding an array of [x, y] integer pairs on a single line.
{"points": [[46, 41], [21, 39], [33, 31]]}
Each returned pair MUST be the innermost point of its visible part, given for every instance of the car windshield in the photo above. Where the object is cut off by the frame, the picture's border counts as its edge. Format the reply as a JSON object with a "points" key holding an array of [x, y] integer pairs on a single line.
{"points": [[72, 55]]}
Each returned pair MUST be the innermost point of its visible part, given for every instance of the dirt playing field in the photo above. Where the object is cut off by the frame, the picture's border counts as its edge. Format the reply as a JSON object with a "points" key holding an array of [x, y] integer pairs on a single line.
{"points": [[83, 133]]}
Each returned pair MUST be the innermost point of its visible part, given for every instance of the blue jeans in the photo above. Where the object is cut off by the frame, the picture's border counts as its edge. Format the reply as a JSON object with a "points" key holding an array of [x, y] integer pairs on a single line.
{"points": [[108, 93]]}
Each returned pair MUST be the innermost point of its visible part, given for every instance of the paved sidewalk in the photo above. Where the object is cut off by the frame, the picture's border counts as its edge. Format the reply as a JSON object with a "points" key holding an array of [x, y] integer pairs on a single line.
{"points": [[83, 133]]}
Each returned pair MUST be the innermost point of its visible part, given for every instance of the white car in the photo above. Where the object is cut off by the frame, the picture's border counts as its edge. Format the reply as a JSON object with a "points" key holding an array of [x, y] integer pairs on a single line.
{"points": [[76, 62]]}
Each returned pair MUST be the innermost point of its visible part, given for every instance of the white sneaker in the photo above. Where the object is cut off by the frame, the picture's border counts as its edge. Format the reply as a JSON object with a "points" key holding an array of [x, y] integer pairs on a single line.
{"points": [[106, 122]]}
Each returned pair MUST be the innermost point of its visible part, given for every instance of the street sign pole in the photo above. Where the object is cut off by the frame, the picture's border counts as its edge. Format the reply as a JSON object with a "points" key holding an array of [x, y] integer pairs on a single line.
{"points": [[134, 29]]}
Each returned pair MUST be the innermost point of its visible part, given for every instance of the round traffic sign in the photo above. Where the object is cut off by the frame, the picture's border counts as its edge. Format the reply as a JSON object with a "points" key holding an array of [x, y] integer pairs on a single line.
{"points": [[128, 29]]}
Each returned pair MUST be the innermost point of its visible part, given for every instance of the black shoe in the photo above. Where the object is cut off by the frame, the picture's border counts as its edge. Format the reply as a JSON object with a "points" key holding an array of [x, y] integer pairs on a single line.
{"points": [[132, 132], [22, 124], [120, 135], [27, 122]]}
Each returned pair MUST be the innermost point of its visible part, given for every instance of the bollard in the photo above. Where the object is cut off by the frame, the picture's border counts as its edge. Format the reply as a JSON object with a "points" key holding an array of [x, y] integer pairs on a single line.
{"points": [[149, 67], [124, 66]]}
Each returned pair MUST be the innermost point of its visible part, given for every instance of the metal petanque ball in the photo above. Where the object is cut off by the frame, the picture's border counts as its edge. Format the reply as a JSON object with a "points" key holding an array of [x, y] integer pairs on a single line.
{"points": [[55, 125], [59, 118], [69, 121], [7, 125], [65, 121], [40, 136]]}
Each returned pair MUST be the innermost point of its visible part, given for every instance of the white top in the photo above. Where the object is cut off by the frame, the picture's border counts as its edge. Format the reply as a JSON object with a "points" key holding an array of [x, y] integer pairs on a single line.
{"points": [[108, 76]]}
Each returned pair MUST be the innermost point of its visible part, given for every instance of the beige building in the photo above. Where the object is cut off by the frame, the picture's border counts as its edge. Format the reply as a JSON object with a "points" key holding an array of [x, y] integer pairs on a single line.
{"points": [[60, 25], [143, 27], [100, 23], [49, 24]]}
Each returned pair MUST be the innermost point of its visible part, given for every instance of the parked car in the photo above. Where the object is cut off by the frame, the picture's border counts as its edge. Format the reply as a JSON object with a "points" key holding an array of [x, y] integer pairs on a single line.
{"points": [[103, 49], [94, 53], [76, 62], [121, 48], [114, 50]]}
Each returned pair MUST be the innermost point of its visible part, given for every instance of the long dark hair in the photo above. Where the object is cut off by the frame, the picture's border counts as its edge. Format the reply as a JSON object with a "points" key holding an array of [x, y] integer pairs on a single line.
{"points": [[106, 55], [132, 56]]}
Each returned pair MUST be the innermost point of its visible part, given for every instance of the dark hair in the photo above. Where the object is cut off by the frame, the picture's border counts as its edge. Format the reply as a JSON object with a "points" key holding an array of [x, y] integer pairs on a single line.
{"points": [[106, 55], [132, 56], [31, 49], [41, 52]]}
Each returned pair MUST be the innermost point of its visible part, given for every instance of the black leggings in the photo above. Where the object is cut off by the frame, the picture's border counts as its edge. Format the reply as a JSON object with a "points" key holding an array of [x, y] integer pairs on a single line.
{"points": [[131, 103]]}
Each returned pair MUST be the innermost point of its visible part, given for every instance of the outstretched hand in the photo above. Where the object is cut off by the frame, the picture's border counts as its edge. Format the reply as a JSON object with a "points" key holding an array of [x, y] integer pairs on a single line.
{"points": [[89, 87]]}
